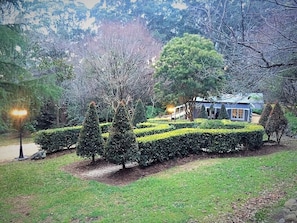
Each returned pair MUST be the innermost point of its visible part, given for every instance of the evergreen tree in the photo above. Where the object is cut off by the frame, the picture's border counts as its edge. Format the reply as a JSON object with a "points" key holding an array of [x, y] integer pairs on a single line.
{"points": [[223, 113], [121, 146], [139, 113], [90, 142], [276, 122], [264, 117], [202, 112], [265, 114], [211, 111]]}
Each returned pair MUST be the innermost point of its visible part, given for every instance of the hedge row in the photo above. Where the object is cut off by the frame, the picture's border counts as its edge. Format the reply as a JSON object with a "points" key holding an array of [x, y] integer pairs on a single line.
{"points": [[53, 140], [181, 142], [159, 142]]}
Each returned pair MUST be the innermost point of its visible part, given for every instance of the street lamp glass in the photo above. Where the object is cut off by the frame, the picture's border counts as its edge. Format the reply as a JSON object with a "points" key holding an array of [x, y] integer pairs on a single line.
{"points": [[19, 113]]}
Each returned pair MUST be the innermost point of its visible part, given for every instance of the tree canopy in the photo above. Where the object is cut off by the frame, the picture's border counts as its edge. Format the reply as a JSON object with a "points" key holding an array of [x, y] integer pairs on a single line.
{"points": [[188, 67]]}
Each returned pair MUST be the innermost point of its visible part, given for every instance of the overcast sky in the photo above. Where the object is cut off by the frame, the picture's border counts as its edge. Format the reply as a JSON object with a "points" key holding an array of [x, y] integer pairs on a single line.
{"points": [[89, 3]]}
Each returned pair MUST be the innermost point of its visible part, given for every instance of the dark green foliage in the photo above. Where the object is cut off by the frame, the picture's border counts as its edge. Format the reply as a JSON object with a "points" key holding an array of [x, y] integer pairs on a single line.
{"points": [[188, 67], [121, 146], [264, 117], [265, 114], [211, 112], [182, 142], [212, 124], [90, 142], [276, 122], [139, 115], [202, 112], [223, 113], [292, 119], [53, 140]]}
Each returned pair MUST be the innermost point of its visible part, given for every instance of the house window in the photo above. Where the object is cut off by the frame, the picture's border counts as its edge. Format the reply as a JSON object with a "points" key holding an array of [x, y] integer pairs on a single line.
{"points": [[237, 114]]}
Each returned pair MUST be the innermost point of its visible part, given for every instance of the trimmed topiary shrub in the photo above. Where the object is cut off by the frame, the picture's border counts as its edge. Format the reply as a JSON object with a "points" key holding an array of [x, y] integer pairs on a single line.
{"points": [[265, 115], [139, 114], [121, 146], [223, 113], [202, 112], [90, 142], [276, 122]]}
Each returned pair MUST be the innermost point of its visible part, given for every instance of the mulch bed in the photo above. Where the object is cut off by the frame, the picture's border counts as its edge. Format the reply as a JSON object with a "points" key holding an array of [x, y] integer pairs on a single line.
{"points": [[125, 176]]}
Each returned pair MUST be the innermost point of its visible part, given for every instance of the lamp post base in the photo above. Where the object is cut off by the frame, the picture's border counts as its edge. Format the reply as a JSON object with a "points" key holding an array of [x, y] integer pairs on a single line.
{"points": [[21, 159]]}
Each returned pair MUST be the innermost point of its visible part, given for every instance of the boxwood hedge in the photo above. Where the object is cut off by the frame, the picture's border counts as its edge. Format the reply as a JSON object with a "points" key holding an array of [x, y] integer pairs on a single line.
{"points": [[52, 140], [161, 142], [181, 142]]}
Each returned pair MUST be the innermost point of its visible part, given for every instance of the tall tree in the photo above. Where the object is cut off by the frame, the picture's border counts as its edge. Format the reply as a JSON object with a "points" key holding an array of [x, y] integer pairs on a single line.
{"points": [[19, 87], [120, 62], [121, 146], [90, 142], [188, 67]]}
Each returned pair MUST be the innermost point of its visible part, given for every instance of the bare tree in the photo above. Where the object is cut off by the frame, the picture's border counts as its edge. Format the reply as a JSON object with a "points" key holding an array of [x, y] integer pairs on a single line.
{"points": [[120, 61], [258, 38]]}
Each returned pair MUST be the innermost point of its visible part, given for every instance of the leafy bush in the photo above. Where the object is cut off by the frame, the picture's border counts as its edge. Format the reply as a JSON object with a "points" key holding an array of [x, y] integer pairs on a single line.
{"points": [[257, 111], [292, 120]]}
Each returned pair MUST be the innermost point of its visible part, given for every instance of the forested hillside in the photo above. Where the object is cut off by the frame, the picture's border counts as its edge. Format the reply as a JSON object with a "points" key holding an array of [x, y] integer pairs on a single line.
{"points": [[57, 56]]}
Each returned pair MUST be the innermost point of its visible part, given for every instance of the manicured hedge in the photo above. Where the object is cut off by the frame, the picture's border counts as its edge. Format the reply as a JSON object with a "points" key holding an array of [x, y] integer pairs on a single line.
{"points": [[63, 138], [181, 142], [161, 142], [53, 140]]}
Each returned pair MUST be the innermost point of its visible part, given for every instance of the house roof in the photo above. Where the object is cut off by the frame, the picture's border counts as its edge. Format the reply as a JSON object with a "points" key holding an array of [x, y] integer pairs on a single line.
{"points": [[249, 98]]}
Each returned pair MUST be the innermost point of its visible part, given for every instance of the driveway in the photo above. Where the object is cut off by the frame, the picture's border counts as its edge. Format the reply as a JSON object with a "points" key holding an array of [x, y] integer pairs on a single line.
{"points": [[11, 152]]}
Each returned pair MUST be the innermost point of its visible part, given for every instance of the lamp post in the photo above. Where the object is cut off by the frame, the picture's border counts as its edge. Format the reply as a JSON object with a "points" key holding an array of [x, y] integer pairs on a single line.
{"points": [[170, 109], [20, 114]]}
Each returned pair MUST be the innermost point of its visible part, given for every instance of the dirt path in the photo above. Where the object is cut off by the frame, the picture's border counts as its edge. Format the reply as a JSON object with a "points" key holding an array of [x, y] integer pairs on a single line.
{"points": [[11, 152]]}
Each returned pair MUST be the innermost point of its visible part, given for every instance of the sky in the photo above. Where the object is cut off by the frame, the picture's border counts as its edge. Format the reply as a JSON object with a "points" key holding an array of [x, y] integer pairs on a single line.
{"points": [[89, 3]]}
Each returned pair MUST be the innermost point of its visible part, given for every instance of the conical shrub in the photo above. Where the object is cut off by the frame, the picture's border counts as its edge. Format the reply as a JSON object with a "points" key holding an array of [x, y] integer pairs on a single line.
{"points": [[90, 142], [202, 112], [121, 146], [223, 113], [139, 115], [276, 122]]}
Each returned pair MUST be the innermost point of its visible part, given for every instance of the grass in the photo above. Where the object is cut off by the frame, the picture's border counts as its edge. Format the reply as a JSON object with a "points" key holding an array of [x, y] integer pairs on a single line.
{"points": [[200, 191]]}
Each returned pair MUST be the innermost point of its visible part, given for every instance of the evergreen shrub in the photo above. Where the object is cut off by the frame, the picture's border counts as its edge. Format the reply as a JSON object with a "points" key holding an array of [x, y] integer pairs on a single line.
{"points": [[139, 114], [90, 142], [53, 140], [181, 142], [121, 146]]}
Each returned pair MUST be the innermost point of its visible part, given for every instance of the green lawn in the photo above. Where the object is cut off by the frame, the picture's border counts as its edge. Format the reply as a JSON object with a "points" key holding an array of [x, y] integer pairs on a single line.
{"points": [[200, 191]]}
